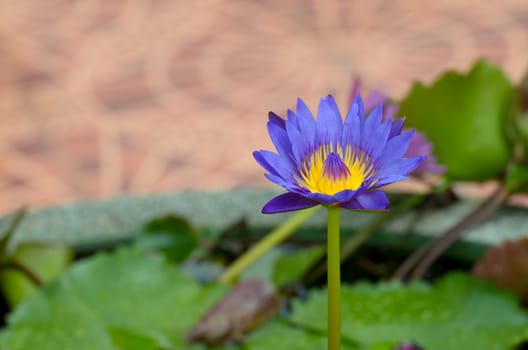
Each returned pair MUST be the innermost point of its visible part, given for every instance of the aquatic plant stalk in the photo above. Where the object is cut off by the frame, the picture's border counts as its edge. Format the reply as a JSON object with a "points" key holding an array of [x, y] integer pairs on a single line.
{"points": [[275, 237], [351, 245], [334, 279], [419, 262]]}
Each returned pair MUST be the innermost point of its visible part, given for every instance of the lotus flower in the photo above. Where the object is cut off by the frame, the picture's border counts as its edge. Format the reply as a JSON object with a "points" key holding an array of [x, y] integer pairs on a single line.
{"points": [[333, 162]]}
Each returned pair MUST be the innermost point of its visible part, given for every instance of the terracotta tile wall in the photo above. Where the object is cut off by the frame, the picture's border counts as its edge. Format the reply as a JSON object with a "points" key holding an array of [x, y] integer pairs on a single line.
{"points": [[104, 97]]}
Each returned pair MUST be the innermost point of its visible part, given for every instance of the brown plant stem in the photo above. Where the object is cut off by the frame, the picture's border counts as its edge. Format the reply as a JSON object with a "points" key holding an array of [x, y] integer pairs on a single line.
{"points": [[420, 261], [15, 265]]}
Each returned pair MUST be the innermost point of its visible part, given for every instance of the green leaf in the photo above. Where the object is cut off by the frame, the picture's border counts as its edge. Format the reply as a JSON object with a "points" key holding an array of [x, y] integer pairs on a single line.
{"points": [[80, 334], [517, 178], [279, 335], [291, 267], [136, 294], [464, 116], [127, 340], [459, 312], [46, 260], [171, 235]]}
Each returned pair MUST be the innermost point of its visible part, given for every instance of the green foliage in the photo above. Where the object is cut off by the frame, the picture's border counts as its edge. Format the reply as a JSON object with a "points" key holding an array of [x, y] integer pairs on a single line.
{"points": [[517, 178], [129, 300], [46, 260], [127, 340], [172, 236], [279, 335], [459, 312], [290, 267], [100, 300], [30, 264], [464, 116]]}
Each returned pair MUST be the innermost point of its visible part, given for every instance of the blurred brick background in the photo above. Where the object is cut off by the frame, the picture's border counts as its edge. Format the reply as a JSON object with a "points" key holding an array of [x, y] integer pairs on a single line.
{"points": [[104, 97]]}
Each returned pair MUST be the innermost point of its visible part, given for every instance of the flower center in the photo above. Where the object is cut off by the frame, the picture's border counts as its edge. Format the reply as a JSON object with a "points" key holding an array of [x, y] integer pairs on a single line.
{"points": [[329, 171]]}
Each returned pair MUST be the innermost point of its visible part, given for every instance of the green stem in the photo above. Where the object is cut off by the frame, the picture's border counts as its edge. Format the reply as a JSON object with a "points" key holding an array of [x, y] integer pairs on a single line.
{"points": [[358, 239], [334, 279], [272, 239]]}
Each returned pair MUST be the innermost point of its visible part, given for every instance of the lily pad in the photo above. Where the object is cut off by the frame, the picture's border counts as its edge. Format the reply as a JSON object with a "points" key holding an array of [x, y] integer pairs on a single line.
{"points": [[136, 294], [465, 116], [459, 312]]}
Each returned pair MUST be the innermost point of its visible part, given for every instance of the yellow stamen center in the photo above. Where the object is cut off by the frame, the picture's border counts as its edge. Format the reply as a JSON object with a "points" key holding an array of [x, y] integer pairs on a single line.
{"points": [[330, 169]]}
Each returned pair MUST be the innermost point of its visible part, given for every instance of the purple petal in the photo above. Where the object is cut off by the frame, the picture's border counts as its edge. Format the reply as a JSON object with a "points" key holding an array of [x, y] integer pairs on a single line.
{"points": [[277, 120], [321, 198], [388, 180], [307, 124], [375, 200], [397, 127], [303, 110], [280, 139], [376, 133], [354, 126], [395, 148], [348, 195], [273, 163], [297, 141], [430, 166], [401, 166], [420, 145], [288, 184], [329, 122], [359, 102], [293, 120], [287, 202]]}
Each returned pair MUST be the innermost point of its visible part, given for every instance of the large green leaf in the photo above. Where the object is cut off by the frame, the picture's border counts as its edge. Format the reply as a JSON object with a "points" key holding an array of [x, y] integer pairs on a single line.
{"points": [[459, 312], [464, 115], [102, 299]]}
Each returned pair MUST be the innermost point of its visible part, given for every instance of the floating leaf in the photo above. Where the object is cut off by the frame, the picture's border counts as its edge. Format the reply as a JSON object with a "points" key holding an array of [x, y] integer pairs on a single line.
{"points": [[459, 312], [171, 235], [126, 290], [464, 115]]}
